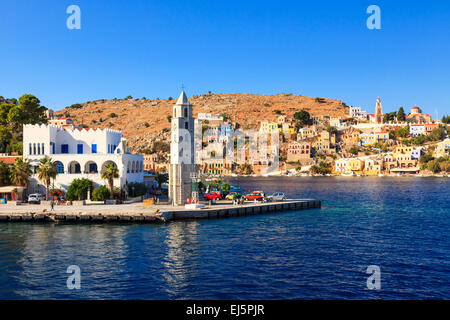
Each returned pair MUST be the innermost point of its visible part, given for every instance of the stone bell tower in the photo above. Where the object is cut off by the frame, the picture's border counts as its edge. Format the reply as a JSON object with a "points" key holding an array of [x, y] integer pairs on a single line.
{"points": [[378, 112], [182, 152]]}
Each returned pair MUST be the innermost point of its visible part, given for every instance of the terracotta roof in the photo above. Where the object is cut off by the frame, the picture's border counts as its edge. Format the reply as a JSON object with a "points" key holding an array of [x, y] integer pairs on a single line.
{"points": [[416, 108]]}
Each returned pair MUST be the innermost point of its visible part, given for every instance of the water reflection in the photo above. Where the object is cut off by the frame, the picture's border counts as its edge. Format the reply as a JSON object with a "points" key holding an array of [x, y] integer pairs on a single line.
{"points": [[181, 263]]}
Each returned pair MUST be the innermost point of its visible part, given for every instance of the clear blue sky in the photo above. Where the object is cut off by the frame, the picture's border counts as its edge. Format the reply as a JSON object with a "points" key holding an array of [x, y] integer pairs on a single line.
{"points": [[149, 48]]}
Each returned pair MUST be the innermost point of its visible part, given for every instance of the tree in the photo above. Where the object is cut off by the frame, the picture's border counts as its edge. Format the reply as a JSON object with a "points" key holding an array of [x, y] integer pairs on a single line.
{"points": [[437, 134], [446, 119], [162, 178], [20, 172], [354, 150], [225, 187], [79, 189], [46, 171], [169, 118], [4, 174], [109, 174], [303, 116], [433, 166], [391, 116], [401, 115], [332, 129]]}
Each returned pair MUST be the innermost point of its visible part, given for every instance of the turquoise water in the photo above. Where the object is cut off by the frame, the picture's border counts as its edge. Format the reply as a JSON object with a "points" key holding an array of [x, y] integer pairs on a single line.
{"points": [[399, 224]]}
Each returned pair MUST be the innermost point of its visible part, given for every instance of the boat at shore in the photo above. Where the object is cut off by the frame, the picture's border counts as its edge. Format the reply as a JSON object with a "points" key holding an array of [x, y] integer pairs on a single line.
{"points": [[348, 174]]}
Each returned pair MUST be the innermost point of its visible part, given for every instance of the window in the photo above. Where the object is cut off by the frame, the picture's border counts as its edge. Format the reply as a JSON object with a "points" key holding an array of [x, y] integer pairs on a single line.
{"points": [[186, 125], [64, 148], [31, 149], [53, 148], [80, 148], [42, 148], [94, 148], [59, 167], [39, 148], [34, 148], [185, 112]]}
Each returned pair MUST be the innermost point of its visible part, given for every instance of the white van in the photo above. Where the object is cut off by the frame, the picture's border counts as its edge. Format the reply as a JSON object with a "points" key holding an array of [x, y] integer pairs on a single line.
{"points": [[35, 198]]}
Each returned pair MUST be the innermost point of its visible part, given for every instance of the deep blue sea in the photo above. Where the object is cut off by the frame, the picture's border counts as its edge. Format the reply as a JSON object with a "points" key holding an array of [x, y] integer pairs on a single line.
{"points": [[400, 224]]}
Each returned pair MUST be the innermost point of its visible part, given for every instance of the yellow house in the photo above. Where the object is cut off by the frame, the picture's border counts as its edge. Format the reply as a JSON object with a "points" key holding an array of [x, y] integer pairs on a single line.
{"points": [[368, 139], [402, 150], [355, 165], [372, 167], [269, 127], [442, 148], [325, 142], [288, 129]]}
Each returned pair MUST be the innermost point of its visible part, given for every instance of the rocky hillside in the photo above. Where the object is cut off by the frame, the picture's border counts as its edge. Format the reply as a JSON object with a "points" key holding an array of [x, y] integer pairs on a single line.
{"points": [[144, 121]]}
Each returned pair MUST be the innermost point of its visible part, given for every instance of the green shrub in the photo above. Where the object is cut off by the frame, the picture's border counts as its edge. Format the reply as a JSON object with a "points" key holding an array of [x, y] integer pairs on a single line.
{"points": [[100, 194], [79, 189]]}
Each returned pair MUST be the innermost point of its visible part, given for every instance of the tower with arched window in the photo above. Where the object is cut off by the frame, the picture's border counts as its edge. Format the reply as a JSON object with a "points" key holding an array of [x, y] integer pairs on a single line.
{"points": [[182, 153]]}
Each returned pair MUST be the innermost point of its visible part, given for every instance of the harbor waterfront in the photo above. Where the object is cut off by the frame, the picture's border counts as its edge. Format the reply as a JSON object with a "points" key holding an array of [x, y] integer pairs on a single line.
{"points": [[136, 213], [397, 223]]}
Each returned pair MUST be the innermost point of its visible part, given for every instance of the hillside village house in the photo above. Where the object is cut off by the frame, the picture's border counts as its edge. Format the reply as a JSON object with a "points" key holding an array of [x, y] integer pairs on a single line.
{"points": [[418, 129], [299, 151], [269, 127], [373, 166], [325, 142], [369, 139], [305, 133], [442, 148], [357, 113], [80, 153]]}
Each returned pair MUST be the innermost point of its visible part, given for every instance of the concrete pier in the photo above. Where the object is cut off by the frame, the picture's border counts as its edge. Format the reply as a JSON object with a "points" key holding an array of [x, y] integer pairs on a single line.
{"points": [[136, 213]]}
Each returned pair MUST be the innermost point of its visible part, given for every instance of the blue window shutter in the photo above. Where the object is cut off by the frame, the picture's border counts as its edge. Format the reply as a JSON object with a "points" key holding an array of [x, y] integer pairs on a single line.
{"points": [[80, 148], [94, 148], [64, 148]]}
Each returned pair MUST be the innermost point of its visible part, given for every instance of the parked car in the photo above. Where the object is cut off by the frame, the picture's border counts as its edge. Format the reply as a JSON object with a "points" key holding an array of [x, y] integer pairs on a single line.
{"points": [[212, 195], [35, 198], [255, 196], [277, 196], [233, 195]]}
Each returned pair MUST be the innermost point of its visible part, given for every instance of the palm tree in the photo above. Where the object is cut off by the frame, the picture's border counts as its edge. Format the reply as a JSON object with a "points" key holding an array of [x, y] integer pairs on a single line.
{"points": [[20, 172], [4, 174], [46, 172], [109, 174]]}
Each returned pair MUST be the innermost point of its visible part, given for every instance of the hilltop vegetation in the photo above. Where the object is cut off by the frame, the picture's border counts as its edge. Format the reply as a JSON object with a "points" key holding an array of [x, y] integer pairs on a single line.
{"points": [[13, 115]]}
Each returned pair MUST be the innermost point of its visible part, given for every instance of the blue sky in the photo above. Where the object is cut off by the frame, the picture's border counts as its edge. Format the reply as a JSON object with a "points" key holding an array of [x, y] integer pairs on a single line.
{"points": [[149, 48]]}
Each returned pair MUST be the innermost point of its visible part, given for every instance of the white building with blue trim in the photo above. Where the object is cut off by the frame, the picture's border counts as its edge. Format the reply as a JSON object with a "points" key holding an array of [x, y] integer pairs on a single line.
{"points": [[80, 153]]}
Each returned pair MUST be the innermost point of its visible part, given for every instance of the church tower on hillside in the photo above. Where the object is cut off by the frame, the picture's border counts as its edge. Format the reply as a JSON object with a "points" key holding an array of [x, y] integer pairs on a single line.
{"points": [[182, 152], [378, 112]]}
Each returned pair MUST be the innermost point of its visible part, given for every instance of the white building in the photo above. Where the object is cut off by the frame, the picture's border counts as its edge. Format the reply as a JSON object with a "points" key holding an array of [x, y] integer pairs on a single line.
{"points": [[416, 129], [416, 153], [357, 113], [80, 153]]}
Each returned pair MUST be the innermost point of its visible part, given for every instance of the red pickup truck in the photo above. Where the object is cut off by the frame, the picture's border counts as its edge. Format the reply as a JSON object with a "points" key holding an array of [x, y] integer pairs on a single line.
{"points": [[213, 195], [258, 196]]}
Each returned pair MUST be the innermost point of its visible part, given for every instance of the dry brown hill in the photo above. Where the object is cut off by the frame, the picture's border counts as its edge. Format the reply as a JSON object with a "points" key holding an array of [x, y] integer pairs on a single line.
{"points": [[143, 121]]}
